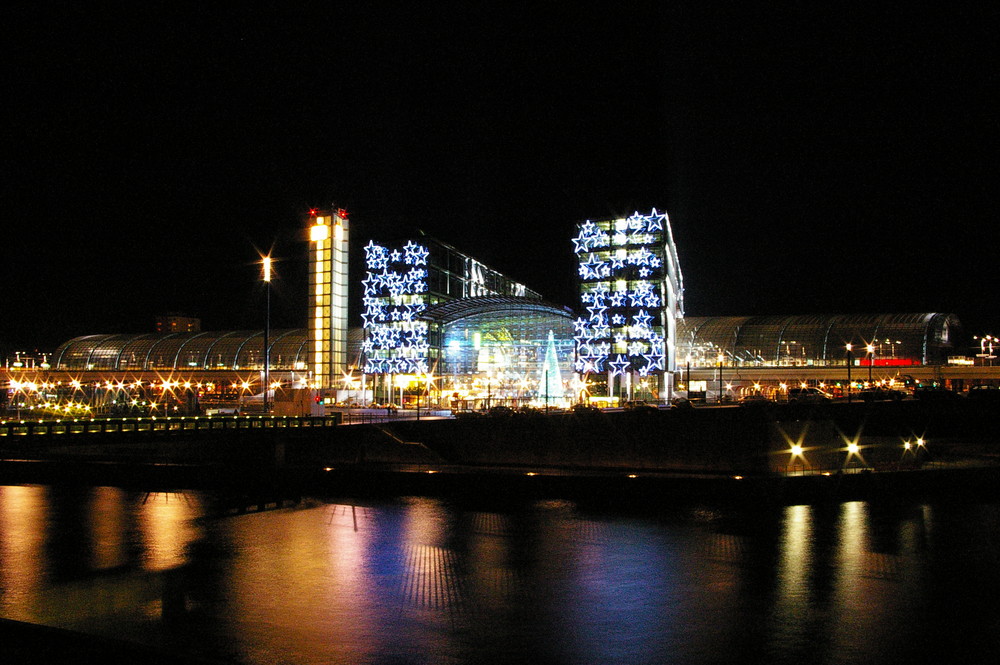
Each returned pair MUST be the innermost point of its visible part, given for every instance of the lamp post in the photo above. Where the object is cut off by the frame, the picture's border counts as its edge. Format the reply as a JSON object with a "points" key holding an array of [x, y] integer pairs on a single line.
{"points": [[721, 357], [848, 347], [267, 334], [545, 374], [687, 377], [871, 361]]}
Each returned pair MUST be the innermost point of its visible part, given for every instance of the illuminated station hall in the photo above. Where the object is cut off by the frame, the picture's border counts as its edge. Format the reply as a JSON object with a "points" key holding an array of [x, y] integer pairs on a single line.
{"points": [[442, 331]]}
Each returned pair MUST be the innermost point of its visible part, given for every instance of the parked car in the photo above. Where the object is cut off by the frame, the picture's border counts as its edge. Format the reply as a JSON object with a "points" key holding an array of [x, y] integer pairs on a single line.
{"points": [[934, 393], [808, 395], [880, 394], [984, 393]]}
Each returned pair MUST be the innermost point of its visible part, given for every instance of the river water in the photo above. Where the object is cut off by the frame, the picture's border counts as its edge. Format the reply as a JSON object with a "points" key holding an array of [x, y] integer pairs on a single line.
{"points": [[422, 580]]}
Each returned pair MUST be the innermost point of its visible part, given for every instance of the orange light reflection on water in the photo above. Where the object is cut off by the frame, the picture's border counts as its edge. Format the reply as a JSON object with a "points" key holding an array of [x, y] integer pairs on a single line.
{"points": [[23, 521]]}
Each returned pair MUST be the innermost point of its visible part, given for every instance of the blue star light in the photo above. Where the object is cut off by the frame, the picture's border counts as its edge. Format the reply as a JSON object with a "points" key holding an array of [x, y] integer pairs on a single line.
{"points": [[619, 365]]}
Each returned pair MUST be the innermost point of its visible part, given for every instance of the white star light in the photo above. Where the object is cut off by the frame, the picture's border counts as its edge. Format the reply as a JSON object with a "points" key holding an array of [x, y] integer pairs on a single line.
{"points": [[636, 299], [641, 257], [582, 244], [635, 309], [377, 257], [592, 268], [653, 361], [619, 365], [654, 222], [642, 319], [596, 312], [415, 254], [392, 329]]}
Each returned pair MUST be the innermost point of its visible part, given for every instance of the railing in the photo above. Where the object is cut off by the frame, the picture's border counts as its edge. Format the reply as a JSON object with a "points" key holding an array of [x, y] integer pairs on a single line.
{"points": [[154, 426]]}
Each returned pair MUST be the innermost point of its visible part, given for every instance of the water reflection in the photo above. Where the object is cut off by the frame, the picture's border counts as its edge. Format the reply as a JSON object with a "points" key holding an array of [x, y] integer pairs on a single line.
{"points": [[421, 580]]}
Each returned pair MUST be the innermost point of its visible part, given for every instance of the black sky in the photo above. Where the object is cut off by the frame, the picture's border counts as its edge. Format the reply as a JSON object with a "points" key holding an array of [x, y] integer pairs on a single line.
{"points": [[812, 159]]}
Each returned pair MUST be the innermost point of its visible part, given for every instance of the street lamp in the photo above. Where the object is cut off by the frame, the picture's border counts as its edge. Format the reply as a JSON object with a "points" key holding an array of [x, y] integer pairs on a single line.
{"points": [[871, 361], [687, 378], [721, 358], [545, 374], [267, 334], [848, 347]]}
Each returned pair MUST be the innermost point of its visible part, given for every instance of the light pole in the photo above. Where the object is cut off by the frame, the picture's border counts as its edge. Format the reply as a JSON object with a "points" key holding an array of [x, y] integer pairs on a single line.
{"points": [[545, 374], [267, 334], [871, 361], [721, 357], [848, 347], [687, 377]]}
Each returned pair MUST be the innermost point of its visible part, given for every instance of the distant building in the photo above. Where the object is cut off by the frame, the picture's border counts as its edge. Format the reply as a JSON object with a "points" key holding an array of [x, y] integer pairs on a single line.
{"points": [[734, 356], [169, 323], [818, 340]]}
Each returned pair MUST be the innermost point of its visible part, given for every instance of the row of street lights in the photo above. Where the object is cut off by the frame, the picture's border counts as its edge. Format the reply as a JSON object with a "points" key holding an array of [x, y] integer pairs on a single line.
{"points": [[869, 348]]}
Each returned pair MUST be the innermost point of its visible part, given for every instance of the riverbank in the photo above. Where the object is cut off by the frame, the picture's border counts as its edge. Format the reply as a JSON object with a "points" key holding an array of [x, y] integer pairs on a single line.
{"points": [[593, 486], [726, 453]]}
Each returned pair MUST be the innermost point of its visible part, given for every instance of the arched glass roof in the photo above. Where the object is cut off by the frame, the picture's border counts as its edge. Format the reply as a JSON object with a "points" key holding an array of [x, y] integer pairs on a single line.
{"points": [[240, 349], [244, 349], [923, 338], [455, 310]]}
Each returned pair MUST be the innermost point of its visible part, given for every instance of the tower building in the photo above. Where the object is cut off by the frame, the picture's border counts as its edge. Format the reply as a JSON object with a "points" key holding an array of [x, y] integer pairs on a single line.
{"points": [[632, 290], [329, 235]]}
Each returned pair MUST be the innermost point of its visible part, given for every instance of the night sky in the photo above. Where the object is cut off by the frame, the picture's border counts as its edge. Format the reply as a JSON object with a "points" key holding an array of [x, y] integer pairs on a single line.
{"points": [[813, 159]]}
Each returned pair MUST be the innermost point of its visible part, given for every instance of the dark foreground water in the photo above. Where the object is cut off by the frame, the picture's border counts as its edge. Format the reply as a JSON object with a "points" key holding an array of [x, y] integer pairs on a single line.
{"points": [[417, 580]]}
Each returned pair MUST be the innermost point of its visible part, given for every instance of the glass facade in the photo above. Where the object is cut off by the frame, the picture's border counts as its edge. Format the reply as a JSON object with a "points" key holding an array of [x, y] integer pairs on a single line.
{"points": [[401, 284], [504, 351]]}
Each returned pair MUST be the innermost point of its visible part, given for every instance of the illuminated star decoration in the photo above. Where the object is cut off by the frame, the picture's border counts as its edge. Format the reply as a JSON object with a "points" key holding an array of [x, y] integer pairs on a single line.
{"points": [[619, 365], [395, 338], [610, 254]]}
